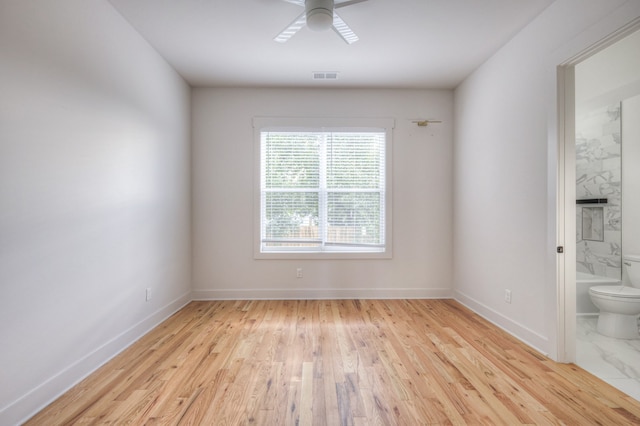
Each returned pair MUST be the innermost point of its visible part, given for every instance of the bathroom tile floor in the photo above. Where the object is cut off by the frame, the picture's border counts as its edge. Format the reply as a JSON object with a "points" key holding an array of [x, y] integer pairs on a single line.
{"points": [[616, 361]]}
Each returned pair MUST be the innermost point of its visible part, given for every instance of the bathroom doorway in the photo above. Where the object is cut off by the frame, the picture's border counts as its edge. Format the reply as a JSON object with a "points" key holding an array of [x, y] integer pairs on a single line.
{"points": [[602, 91]]}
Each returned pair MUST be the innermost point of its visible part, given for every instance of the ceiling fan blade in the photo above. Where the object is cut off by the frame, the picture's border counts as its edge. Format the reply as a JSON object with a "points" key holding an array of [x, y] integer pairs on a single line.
{"points": [[343, 30], [300, 2], [291, 29], [345, 3]]}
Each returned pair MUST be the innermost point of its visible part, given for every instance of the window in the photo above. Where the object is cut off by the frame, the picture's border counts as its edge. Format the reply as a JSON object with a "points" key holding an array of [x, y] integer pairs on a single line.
{"points": [[323, 190]]}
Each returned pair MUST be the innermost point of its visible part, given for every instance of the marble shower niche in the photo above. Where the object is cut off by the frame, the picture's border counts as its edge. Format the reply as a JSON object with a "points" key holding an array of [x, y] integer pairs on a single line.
{"points": [[598, 177]]}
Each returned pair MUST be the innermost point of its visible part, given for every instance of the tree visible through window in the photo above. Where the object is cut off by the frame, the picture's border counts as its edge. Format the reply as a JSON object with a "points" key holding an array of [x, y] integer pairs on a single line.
{"points": [[322, 191]]}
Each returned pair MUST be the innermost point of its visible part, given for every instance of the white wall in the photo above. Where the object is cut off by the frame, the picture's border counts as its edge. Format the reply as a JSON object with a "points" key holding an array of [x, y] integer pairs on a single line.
{"points": [[505, 169], [223, 165], [609, 76], [94, 194], [631, 176]]}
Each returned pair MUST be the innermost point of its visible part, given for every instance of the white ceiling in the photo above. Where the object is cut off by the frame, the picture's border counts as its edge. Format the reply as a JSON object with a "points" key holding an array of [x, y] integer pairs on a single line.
{"points": [[403, 43]]}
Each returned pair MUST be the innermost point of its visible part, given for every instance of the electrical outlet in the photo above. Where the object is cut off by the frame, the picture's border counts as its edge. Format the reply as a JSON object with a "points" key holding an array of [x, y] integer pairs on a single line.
{"points": [[148, 294], [299, 273], [507, 296]]}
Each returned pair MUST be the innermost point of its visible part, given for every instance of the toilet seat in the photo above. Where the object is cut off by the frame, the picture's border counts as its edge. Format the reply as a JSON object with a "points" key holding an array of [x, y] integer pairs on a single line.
{"points": [[615, 291]]}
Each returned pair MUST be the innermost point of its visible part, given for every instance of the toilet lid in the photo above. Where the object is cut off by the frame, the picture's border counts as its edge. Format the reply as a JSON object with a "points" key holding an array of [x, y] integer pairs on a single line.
{"points": [[616, 290]]}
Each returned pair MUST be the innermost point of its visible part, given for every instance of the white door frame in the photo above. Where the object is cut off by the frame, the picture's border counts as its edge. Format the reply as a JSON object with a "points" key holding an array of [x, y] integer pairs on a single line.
{"points": [[566, 223], [566, 193]]}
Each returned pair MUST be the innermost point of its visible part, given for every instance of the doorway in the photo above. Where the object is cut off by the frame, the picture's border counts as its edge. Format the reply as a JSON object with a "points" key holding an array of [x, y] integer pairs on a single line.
{"points": [[595, 84]]}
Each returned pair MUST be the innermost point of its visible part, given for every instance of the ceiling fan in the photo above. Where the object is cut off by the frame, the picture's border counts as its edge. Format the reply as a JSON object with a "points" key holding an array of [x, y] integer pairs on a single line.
{"points": [[320, 15]]}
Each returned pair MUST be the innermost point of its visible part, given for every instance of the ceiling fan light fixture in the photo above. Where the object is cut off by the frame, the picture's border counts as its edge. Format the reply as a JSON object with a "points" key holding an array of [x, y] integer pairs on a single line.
{"points": [[319, 14]]}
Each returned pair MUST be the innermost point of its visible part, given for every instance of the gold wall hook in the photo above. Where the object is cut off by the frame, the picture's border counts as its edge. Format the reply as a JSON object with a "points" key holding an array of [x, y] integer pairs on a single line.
{"points": [[425, 123]]}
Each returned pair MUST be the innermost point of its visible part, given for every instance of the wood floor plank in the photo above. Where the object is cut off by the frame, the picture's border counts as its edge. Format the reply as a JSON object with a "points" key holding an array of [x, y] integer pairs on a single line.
{"points": [[336, 362]]}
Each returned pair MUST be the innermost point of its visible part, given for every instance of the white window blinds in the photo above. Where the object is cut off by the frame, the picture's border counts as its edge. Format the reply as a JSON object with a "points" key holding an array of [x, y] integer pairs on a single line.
{"points": [[322, 191]]}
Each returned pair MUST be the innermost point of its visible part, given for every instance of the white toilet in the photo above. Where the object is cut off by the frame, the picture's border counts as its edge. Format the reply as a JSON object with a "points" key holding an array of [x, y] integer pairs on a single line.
{"points": [[620, 305]]}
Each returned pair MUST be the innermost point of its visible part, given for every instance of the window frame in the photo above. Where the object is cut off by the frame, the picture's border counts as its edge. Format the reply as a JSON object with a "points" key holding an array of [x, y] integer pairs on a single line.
{"points": [[261, 124]]}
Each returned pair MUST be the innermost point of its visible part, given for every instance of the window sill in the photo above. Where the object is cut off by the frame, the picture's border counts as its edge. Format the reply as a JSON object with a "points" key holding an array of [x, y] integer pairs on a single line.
{"points": [[322, 255]]}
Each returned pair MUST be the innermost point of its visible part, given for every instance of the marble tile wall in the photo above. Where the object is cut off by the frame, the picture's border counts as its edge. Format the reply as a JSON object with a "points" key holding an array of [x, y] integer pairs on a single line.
{"points": [[598, 175]]}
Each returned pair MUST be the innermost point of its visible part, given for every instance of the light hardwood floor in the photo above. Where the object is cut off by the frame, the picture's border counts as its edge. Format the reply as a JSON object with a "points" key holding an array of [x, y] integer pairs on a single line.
{"points": [[340, 362]]}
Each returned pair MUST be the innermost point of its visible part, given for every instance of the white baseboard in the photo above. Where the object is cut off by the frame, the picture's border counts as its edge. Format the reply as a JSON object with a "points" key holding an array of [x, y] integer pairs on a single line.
{"points": [[22, 408], [321, 294], [517, 330]]}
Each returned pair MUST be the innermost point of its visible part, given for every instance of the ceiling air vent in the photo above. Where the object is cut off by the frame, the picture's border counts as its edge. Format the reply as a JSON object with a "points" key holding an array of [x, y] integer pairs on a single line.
{"points": [[325, 75]]}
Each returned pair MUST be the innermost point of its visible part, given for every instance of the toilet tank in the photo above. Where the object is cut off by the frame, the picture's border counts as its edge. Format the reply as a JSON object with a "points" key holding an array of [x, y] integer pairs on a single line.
{"points": [[632, 268]]}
